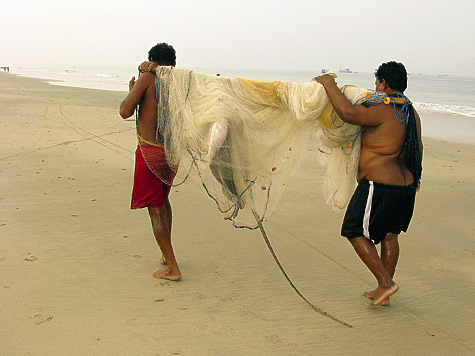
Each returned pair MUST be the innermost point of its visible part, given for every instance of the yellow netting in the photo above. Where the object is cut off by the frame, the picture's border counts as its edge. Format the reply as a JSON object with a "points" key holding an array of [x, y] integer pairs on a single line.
{"points": [[245, 137]]}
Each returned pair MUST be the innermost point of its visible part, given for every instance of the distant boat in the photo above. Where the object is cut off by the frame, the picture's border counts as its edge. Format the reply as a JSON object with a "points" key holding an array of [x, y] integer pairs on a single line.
{"points": [[346, 70]]}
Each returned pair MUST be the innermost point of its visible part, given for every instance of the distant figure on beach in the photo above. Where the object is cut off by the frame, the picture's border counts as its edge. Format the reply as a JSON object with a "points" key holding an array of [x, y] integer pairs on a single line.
{"points": [[153, 176], [389, 173]]}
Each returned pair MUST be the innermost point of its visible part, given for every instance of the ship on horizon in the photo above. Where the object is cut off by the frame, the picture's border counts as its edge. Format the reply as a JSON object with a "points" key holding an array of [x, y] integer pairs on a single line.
{"points": [[345, 70]]}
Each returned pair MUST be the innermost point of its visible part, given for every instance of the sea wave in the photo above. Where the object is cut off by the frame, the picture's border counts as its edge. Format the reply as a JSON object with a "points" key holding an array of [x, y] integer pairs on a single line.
{"points": [[467, 111], [34, 70], [104, 75]]}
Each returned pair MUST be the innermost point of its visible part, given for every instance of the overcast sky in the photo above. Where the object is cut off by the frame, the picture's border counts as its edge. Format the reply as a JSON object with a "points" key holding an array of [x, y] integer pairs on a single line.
{"points": [[428, 36]]}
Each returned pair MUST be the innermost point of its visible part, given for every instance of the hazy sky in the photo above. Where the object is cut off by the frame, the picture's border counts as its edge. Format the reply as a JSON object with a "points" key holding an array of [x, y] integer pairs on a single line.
{"points": [[428, 36]]}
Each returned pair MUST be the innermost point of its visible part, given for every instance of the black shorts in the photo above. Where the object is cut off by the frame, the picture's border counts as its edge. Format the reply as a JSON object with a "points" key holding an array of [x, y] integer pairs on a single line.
{"points": [[377, 209]]}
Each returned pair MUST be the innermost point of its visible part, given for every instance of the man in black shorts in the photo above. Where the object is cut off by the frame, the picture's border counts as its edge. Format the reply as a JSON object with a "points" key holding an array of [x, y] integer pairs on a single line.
{"points": [[389, 172]]}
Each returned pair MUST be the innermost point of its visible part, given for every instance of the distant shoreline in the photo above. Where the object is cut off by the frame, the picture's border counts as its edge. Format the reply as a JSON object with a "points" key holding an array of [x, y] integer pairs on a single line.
{"points": [[445, 127]]}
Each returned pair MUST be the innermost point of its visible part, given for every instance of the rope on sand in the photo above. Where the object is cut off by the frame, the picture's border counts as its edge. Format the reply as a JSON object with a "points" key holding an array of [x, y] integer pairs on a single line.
{"points": [[317, 309]]}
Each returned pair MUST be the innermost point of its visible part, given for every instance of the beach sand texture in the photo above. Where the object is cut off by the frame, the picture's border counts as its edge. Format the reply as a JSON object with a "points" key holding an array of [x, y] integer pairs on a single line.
{"points": [[76, 263]]}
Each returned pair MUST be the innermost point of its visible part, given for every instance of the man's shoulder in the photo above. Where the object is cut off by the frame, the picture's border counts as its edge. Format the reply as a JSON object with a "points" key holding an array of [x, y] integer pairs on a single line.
{"points": [[372, 115], [147, 76], [146, 81], [384, 111]]}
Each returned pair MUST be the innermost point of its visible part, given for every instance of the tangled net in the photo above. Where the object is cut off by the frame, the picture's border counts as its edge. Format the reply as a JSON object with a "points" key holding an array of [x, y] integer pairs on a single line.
{"points": [[245, 137]]}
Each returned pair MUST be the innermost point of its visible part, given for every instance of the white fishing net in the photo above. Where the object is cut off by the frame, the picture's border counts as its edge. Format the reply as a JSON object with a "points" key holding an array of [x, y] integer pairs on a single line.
{"points": [[245, 137]]}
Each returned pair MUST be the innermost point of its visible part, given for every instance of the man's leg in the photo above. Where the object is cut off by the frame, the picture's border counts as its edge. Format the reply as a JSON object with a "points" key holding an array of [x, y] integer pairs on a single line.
{"points": [[369, 255], [161, 225], [168, 211], [389, 257], [390, 253]]}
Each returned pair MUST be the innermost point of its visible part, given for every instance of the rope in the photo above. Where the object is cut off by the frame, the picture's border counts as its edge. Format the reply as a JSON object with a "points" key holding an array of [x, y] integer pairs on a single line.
{"points": [[317, 309]]}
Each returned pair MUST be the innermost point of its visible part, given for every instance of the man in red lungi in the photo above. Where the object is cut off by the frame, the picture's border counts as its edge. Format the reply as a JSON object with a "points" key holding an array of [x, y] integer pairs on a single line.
{"points": [[153, 176]]}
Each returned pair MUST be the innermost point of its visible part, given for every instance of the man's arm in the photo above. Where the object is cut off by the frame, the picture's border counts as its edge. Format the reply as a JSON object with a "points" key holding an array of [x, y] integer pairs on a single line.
{"points": [[148, 66], [136, 92], [352, 114]]}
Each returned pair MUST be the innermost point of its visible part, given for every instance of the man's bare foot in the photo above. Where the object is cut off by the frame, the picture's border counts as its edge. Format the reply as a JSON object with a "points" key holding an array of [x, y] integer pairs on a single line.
{"points": [[163, 260], [382, 294], [167, 274], [371, 295]]}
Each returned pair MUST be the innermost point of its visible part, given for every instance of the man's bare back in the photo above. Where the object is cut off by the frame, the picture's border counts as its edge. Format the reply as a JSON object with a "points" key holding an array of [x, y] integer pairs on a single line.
{"points": [[382, 157], [142, 93]]}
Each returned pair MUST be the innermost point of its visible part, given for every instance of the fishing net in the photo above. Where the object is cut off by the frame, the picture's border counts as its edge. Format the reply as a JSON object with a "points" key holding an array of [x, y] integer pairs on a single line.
{"points": [[246, 136]]}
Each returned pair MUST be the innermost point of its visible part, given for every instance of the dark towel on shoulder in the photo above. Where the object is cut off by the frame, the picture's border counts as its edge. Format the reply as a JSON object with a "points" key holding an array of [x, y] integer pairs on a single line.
{"points": [[413, 157]]}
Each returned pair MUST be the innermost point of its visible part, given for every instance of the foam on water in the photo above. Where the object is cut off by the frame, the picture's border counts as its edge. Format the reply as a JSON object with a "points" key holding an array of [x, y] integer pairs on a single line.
{"points": [[115, 79], [445, 109]]}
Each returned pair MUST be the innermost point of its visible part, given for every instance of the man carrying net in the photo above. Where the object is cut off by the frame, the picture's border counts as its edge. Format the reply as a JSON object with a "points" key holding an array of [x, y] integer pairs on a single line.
{"points": [[388, 173], [153, 175]]}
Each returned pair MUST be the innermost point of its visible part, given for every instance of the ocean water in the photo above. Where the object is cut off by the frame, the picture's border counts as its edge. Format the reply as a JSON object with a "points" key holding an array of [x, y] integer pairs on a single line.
{"points": [[446, 103]]}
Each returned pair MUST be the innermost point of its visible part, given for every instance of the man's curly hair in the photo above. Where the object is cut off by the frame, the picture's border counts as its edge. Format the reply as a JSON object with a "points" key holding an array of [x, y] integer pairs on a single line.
{"points": [[163, 54], [394, 74]]}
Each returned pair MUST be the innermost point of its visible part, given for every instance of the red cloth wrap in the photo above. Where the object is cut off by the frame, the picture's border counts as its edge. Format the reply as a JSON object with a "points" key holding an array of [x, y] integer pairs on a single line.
{"points": [[149, 190]]}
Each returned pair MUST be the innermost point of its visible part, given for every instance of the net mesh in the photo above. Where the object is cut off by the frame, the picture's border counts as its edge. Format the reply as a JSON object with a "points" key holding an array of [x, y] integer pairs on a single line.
{"points": [[245, 137]]}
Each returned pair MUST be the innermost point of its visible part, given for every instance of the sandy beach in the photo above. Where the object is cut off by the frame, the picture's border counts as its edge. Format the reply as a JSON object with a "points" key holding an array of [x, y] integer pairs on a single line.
{"points": [[76, 263]]}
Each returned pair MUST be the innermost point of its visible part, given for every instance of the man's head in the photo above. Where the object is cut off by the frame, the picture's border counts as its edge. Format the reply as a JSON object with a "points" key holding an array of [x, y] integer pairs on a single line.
{"points": [[393, 74], [163, 54]]}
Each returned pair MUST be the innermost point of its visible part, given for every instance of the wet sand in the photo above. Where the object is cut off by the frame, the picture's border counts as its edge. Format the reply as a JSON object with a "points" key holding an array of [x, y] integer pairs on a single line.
{"points": [[76, 263]]}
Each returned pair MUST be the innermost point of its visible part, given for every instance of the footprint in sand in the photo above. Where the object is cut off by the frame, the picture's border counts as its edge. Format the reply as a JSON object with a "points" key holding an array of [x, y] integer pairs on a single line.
{"points": [[30, 258], [41, 318]]}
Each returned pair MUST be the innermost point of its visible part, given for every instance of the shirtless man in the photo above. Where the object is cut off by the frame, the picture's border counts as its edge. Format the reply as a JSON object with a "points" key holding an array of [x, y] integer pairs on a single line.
{"points": [[383, 202], [149, 190]]}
